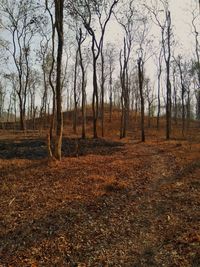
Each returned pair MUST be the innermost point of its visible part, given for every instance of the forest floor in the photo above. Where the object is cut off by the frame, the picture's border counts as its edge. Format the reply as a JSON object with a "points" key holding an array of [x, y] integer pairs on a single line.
{"points": [[119, 203]]}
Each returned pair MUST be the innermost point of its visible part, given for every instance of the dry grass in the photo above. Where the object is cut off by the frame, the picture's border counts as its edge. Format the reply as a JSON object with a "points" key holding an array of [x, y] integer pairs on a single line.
{"points": [[117, 204]]}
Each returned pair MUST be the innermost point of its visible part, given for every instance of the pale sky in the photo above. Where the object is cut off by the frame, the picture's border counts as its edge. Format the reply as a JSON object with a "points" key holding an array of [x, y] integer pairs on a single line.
{"points": [[181, 16], [181, 20]]}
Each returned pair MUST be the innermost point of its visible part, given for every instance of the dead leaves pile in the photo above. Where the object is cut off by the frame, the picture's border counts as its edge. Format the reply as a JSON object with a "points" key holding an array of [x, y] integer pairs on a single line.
{"points": [[136, 207]]}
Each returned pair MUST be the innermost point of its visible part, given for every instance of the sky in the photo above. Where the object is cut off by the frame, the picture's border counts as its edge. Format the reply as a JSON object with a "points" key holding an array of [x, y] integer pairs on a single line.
{"points": [[181, 21], [181, 17]]}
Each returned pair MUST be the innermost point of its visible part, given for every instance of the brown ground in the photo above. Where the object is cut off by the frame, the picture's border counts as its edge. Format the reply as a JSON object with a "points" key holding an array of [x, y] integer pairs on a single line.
{"points": [[117, 204]]}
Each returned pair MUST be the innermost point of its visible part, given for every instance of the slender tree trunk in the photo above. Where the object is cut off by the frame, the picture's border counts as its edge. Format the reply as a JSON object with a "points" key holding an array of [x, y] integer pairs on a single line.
{"points": [[34, 116], [167, 60], [122, 98], [124, 94], [140, 76], [44, 99], [188, 110], [198, 105], [149, 114], [122, 117], [75, 94], [102, 92], [52, 122], [183, 111], [182, 97], [83, 85], [111, 95], [159, 76], [126, 101], [22, 118], [168, 107], [59, 118], [95, 104], [175, 98], [83, 109]]}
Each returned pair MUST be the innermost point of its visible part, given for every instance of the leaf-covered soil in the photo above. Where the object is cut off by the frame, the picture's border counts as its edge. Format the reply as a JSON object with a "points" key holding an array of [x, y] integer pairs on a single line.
{"points": [[116, 204]]}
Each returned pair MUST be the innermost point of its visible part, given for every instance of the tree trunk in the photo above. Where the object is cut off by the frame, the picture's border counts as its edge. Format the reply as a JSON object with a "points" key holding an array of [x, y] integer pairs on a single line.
{"points": [[22, 118], [75, 95], [83, 85], [52, 121], [102, 92], [167, 60], [59, 119], [182, 97], [95, 92], [158, 113], [140, 77], [168, 107], [188, 110], [111, 96]]}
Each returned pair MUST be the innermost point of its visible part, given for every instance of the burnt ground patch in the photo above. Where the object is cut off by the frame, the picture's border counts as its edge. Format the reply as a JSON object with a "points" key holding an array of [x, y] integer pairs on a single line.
{"points": [[72, 147], [23, 149], [119, 210], [36, 148]]}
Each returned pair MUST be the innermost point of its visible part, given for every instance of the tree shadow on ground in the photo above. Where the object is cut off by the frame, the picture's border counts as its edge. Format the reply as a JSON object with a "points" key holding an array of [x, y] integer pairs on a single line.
{"points": [[34, 149], [77, 223]]}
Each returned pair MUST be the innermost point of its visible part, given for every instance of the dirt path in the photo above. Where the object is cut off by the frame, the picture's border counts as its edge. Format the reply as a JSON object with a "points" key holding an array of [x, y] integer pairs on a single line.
{"points": [[138, 206]]}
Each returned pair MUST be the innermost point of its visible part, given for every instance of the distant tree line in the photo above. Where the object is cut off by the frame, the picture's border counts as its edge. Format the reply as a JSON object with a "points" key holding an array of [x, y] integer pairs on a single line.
{"points": [[49, 50]]}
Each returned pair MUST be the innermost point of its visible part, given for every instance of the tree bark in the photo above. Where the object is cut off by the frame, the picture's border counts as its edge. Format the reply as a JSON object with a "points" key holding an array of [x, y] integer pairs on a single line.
{"points": [[59, 119], [102, 92], [75, 94], [140, 76], [95, 103], [83, 85]]}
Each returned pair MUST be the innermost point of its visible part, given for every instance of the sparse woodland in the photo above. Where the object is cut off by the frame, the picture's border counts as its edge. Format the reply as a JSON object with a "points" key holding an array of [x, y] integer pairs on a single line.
{"points": [[99, 133]]}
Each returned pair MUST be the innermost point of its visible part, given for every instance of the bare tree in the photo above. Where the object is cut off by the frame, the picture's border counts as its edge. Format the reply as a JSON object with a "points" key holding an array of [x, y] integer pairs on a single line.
{"points": [[126, 20], [144, 47], [196, 64], [85, 10], [21, 22], [166, 36]]}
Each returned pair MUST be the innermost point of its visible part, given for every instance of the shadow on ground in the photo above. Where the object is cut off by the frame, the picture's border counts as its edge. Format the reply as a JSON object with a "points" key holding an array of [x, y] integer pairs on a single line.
{"points": [[36, 148]]}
